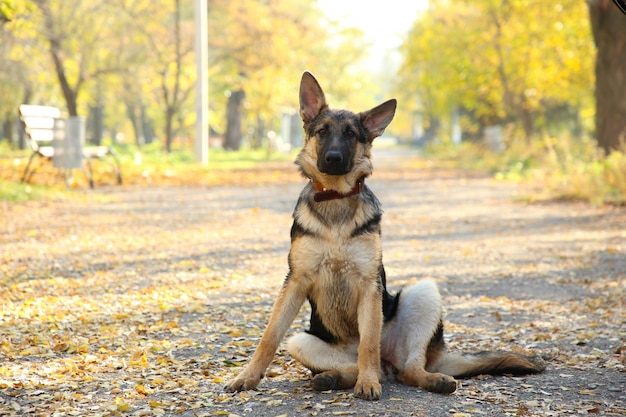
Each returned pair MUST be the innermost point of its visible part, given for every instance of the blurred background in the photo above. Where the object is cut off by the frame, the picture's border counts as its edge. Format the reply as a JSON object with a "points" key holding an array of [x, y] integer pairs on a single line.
{"points": [[518, 87]]}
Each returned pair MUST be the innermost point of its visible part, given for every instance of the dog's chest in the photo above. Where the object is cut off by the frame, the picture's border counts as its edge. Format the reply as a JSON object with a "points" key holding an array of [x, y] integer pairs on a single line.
{"points": [[336, 255], [331, 263], [336, 277], [332, 242], [335, 264]]}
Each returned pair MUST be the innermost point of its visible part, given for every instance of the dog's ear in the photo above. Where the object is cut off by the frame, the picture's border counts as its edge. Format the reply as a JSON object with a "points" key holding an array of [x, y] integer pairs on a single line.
{"points": [[312, 98], [377, 119]]}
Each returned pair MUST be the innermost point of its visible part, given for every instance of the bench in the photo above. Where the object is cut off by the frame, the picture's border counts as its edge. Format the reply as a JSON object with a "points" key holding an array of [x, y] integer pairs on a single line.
{"points": [[42, 125]]}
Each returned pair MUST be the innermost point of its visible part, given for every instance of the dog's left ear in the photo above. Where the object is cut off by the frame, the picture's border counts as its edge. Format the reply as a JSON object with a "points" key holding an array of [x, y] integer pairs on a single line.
{"points": [[377, 119]]}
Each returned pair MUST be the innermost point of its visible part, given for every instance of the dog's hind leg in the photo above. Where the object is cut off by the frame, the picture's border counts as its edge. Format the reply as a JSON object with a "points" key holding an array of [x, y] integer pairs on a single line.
{"points": [[414, 338], [334, 366]]}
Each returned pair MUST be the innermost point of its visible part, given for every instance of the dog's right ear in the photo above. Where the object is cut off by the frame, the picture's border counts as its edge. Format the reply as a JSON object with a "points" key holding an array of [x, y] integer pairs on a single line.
{"points": [[312, 98]]}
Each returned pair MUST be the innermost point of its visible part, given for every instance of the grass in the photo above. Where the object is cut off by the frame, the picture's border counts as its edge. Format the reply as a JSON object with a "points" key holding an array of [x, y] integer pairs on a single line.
{"points": [[553, 168], [146, 166], [14, 192], [219, 159]]}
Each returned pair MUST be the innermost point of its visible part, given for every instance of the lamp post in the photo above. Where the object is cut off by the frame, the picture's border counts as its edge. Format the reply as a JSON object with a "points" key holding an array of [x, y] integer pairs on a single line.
{"points": [[201, 142]]}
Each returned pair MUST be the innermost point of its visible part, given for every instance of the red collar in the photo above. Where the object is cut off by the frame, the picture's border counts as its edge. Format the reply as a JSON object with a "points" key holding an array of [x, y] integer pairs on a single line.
{"points": [[325, 195]]}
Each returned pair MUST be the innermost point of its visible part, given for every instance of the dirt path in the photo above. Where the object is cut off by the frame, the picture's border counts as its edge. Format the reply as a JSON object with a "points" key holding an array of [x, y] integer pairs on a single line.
{"points": [[144, 301]]}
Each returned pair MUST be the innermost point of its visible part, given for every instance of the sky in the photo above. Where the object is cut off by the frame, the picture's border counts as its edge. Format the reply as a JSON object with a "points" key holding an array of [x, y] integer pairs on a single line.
{"points": [[384, 22]]}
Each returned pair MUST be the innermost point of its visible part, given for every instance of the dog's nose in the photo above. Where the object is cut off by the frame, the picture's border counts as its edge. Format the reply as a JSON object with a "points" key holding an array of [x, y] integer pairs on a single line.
{"points": [[333, 157]]}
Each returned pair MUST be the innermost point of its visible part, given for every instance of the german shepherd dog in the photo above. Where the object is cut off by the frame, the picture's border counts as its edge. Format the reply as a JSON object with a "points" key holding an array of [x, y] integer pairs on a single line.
{"points": [[335, 263]]}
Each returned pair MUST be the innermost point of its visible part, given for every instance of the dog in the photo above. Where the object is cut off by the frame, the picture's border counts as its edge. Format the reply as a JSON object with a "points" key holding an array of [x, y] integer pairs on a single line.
{"points": [[335, 262]]}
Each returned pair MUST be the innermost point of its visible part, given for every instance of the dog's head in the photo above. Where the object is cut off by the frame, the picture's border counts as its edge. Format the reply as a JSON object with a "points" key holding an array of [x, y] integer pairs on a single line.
{"points": [[338, 142]]}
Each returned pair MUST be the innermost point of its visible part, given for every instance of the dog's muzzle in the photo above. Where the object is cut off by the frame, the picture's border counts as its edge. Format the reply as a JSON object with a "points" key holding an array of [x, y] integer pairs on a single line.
{"points": [[334, 163]]}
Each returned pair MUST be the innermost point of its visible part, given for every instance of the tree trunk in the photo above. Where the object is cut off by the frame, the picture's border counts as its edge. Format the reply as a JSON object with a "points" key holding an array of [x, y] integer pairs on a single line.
{"points": [[526, 117], [608, 25], [7, 127], [146, 127], [132, 116], [21, 136], [169, 128], [259, 133], [171, 98], [96, 124], [54, 39], [233, 135]]}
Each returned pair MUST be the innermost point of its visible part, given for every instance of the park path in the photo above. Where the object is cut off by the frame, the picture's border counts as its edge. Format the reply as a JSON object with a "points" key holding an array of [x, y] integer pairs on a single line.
{"points": [[145, 300]]}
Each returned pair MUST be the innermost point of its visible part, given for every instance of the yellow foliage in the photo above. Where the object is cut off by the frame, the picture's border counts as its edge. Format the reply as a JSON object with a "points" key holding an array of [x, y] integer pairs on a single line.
{"points": [[122, 405], [498, 60]]}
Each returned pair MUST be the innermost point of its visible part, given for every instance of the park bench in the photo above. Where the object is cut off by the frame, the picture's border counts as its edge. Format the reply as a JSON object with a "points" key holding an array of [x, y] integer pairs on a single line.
{"points": [[45, 130]]}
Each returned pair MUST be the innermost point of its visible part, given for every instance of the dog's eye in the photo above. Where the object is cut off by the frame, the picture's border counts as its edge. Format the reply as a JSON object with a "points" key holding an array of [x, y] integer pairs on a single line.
{"points": [[350, 133], [322, 132]]}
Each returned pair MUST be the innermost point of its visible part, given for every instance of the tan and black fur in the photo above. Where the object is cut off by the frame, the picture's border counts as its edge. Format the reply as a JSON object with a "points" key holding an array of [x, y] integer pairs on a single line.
{"points": [[335, 263]]}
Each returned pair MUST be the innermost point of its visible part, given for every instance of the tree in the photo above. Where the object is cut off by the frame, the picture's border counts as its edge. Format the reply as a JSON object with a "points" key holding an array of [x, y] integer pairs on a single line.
{"points": [[75, 32], [233, 134], [255, 63], [8, 10], [174, 90], [132, 61], [608, 25], [500, 61], [163, 65], [24, 75]]}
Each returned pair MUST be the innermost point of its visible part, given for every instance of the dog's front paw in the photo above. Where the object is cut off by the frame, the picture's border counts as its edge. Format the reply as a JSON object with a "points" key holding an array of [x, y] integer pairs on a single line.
{"points": [[242, 383], [368, 390]]}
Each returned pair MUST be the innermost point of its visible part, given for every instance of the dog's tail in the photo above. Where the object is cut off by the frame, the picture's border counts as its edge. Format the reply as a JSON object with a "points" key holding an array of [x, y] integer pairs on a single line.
{"points": [[492, 363]]}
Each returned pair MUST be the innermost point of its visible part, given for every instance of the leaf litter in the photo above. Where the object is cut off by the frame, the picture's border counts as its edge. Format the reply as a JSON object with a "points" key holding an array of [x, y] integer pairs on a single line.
{"points": [[146, 303]]}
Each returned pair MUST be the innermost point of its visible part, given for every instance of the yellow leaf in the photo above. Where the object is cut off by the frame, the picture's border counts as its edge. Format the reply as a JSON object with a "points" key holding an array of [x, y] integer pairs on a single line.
{"points": [[244, 343], [142, 389], [122, 405], [82, 348], [158, 380], [61, 347]]}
